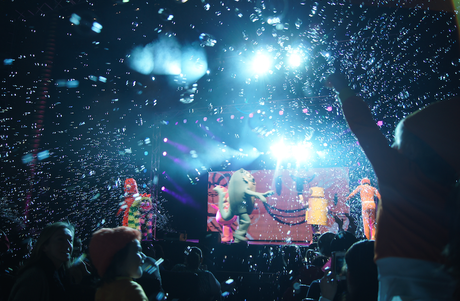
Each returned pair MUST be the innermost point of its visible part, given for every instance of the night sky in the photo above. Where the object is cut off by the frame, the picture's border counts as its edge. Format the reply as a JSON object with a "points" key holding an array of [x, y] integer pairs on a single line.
{"points": [[82, 110]]}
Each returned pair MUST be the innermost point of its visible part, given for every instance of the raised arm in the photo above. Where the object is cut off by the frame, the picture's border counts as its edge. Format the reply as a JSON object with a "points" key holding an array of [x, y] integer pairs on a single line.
{"points": [[357, 189], [360, 120]]}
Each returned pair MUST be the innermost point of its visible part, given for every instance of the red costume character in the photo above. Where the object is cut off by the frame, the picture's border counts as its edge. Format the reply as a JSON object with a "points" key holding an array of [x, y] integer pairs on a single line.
{"points": [[131, 193], [367, 193], [133, 204]]}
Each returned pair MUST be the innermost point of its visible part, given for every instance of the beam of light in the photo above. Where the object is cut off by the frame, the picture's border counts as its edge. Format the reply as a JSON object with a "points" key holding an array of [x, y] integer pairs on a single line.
{"points": [[177, 145], [182, 197], [279, 150], [176, 186], [183, 164], [299, 152]]}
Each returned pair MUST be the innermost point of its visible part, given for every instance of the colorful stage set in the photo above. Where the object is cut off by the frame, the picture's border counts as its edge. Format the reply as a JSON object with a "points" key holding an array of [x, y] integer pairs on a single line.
{"points": [[285, 217]]}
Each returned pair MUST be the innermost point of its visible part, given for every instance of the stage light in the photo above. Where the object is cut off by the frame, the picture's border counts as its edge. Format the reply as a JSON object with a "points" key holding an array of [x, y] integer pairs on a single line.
{"points": [[165, 140], [300, 152], [279, 150], [329, 108], [261, 63], [295, 60], [164, 154], [163, 188], [380, 123]]}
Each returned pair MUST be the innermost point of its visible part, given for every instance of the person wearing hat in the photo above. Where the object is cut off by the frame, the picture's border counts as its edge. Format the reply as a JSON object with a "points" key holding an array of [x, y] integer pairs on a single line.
{"points": [[417, 179], [367, 194], [117, 255]]}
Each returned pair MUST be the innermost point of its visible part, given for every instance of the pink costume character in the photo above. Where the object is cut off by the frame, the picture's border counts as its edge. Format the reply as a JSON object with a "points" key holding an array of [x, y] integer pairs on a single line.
{"points": [[227, 232], [147, 216]]}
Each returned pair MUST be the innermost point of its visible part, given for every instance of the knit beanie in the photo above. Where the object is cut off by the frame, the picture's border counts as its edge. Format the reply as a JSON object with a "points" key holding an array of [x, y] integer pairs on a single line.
{"points": [[106, 242], [437, 125]]}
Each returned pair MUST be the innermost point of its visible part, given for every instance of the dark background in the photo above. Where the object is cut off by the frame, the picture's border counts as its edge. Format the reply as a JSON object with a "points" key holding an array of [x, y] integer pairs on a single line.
{"points": [[400, 57]]}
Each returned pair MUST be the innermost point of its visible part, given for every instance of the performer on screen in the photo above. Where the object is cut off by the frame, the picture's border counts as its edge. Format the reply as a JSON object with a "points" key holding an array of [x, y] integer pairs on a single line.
{"points": [[367, 193], [227, 231], [299, 185], [317, 205]]}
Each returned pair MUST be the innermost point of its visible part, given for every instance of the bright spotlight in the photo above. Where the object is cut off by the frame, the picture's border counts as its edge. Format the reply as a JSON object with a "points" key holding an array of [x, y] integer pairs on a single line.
{"points": [[279, 150], [295, 60], [261, 63], [300, 152]]}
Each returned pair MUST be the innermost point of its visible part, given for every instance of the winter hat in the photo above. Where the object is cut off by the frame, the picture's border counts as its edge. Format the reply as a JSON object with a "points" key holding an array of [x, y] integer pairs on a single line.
{"points": [[106, 242], [366, 181], [437, 125]]}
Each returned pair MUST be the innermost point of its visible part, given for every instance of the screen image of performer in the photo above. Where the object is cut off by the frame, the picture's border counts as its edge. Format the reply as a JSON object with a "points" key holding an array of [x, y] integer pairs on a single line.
{"points": [[227, 231], [367, 194], [317, 204]]}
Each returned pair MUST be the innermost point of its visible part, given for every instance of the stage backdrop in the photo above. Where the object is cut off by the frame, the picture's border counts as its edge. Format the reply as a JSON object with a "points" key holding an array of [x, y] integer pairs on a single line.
{"points": [[283, 217]]}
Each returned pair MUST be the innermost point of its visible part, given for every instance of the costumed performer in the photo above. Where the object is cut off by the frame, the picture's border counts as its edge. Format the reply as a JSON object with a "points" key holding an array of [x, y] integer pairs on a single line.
{"points": [[227, 232], [241, 197], [367, 194], [131, 193], [131, 204], [316, 214]]}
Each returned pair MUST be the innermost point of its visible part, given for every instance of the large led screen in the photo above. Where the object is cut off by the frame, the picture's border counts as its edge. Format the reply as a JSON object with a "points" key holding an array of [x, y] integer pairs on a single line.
{"points": [[282, 218]]}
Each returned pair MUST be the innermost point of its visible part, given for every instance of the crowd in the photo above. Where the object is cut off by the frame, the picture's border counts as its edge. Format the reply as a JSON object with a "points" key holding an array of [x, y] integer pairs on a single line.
{"points": [[415, 255]]}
